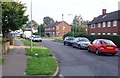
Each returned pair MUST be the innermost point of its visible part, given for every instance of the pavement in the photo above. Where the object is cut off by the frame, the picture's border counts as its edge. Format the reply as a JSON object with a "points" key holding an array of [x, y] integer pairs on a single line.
{"points": [[15, 61]]}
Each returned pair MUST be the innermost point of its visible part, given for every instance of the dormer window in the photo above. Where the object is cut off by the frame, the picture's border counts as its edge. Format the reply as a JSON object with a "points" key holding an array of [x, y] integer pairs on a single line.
{"points": [[114, 23]]}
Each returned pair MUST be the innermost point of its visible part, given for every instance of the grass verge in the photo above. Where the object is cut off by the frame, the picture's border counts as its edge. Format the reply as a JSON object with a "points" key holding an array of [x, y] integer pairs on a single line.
{"points": [[41, 66], [42, 63], [41, 52], [27, 43], [58, 40], [1, 61]]}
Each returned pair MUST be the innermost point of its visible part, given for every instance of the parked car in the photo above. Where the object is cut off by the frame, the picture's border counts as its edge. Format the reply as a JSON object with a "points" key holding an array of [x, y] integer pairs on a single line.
{"points": [[103, 46], [37, 38], [31, 37], [69, 40], [81, 43]]}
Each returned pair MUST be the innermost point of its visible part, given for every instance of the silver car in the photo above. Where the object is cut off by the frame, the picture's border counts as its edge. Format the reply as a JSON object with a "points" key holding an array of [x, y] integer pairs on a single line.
{"points": [[81, 43], [37, 38]]}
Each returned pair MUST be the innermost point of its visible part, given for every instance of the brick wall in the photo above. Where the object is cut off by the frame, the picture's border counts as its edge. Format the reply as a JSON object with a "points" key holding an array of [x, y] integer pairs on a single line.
{"points": [[112, 29], [63, 28]]}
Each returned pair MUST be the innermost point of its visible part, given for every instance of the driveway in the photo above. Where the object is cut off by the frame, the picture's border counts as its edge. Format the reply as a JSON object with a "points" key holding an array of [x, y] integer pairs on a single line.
{"points": [[76, 62]]}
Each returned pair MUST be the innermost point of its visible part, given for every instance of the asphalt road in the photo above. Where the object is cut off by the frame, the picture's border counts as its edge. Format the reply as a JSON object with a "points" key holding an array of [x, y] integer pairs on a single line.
{"points": [[76, 62]]}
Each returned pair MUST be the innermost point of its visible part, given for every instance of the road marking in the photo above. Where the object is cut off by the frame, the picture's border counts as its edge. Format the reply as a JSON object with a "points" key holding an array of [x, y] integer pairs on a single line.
{"points": [[61, 76]]}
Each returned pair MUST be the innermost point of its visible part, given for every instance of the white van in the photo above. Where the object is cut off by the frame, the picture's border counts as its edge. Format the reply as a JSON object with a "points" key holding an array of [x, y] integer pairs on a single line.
{"points": [[27, 34]]}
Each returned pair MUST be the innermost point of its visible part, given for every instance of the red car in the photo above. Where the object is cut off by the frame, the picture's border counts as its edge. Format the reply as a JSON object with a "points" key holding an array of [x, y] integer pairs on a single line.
{"points": [[103, 46]]}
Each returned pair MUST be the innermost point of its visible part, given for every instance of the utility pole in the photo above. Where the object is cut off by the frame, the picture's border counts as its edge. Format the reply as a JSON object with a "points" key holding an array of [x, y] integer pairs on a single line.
{"points": [[73, 25], [31, 30], [63, 24]]}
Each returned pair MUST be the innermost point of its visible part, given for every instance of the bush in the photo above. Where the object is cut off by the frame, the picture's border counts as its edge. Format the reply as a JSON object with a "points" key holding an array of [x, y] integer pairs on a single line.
{"points": [[115, 39]]}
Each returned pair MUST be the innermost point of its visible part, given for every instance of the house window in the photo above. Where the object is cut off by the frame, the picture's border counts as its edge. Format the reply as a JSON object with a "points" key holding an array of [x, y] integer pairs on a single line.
{"points": [[103, 24], [108, 24], [53, 33], [108, 33], [99, 25], [92, 25], [99, 33], [103, 33], [114, 33], [114, 23], [92, 33], [53, 28]]}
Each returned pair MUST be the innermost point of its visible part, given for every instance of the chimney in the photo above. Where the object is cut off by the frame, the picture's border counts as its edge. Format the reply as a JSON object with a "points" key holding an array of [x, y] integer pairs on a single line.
{"points": [[103, 11]]}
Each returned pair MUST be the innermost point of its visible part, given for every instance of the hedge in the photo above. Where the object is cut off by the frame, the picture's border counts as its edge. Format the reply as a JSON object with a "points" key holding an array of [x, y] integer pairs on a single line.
{"points": [[114, 38]]}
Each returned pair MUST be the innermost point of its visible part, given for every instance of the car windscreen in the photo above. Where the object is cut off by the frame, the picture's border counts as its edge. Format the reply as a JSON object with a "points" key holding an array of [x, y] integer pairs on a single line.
{"points": [[83, 39], [71, 38], [37, 37], [107, 42]]}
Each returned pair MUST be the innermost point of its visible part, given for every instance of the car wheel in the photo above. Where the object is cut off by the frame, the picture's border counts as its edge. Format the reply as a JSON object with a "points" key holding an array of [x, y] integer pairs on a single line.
{"points": [[64, 43], [79, 46], [97, 52]]}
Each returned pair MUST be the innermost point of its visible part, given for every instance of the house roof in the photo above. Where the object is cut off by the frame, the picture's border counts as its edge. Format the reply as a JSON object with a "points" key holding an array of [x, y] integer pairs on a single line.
{"points": [[107, 17], [55, 24]]}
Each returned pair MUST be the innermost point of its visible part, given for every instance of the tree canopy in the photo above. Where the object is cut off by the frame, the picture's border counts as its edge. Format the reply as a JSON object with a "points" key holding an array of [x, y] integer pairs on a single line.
{"points": [[13, 16], [47, 20], [79, 24]]}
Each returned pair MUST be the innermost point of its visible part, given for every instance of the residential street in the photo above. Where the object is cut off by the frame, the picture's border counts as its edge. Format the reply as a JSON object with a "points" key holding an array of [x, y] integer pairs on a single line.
{"points": [[76, 62]]}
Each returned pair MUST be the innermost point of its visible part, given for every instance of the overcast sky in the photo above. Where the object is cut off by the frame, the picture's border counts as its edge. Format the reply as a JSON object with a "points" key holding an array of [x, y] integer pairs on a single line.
{"points": [[88, 9]]}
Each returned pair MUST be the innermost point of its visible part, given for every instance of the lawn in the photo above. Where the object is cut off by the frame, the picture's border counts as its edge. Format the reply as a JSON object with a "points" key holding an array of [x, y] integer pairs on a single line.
{"points": [[42, 52], [58, 40], [41, 66], [41, 62], [27, 43]]}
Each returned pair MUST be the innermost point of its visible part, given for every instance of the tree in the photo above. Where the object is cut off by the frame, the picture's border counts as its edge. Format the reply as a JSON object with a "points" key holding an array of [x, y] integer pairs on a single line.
{"points": [[78, 24], [47, 20], [13, 17], [41, 30]]}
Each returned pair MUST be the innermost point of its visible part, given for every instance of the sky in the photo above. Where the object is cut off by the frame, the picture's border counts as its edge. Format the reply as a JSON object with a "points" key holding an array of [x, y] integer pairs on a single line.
{"points": [[88, 9]]}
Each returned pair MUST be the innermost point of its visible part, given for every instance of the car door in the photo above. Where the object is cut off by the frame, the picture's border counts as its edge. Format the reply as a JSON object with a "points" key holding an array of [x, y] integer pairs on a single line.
{"points": [[93, 45], [75, 42]]}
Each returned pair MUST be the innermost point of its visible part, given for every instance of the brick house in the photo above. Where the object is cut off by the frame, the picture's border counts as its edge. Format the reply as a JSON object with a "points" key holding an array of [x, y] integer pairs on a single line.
{"points": [[58, 29], [105, 24]]}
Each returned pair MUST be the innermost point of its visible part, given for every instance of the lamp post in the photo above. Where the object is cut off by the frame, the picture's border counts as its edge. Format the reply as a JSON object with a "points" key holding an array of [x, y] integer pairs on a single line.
{"points": [[63, 24], [73, 26], [31, 29]]}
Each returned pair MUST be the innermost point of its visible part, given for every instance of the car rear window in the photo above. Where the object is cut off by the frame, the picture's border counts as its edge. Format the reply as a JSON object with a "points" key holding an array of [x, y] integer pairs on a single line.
{"points": [[107, 42]]}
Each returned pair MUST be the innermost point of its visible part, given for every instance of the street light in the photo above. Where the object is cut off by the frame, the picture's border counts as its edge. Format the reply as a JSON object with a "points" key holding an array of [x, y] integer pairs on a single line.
{"points": [[73, 26], [31, 29], [63, 28]]}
